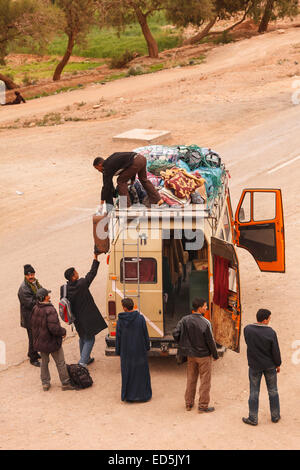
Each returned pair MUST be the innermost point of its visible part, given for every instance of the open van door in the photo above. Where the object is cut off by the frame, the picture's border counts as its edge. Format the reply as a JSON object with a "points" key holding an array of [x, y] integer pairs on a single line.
{"points": [[226, 305], [259, 228]]}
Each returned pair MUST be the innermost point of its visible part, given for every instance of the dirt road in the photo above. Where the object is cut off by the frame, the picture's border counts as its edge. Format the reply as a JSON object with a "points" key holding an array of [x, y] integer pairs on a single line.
{"points": [[238, 103]]}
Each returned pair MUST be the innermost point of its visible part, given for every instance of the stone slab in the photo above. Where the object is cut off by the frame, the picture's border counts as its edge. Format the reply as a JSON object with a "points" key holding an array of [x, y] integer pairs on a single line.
{"points": [[149, 136]]}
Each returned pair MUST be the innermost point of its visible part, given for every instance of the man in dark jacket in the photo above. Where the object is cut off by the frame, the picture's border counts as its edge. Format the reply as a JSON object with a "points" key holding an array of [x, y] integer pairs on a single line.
{"points": [[47, 338], [194, 336], [88, 320], [264, 358], [18, 99], [125, 165], [27, 298], [132, 344]]}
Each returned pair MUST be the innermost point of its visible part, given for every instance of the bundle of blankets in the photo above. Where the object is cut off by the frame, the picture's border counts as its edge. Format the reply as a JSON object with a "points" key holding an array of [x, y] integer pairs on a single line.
{"points": [[182, 174]]}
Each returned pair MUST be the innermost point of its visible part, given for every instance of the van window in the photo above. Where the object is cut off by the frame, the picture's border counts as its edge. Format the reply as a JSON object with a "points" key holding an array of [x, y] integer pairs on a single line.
{"points": [[245, 209], [232, 280], [227, 227], [147, 268], [264, 206]]}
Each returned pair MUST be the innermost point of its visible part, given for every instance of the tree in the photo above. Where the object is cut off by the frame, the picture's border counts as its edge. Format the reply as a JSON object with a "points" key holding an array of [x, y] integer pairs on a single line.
{"points": [[196, 12], [24, 20], [80, 16], [9, 83], [274, 9], [119, 13]]}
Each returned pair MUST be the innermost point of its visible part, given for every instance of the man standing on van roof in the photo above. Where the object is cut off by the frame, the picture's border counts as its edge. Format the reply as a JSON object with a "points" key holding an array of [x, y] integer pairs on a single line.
{"points": [[263, 359], [125, 165], [194, 336]]}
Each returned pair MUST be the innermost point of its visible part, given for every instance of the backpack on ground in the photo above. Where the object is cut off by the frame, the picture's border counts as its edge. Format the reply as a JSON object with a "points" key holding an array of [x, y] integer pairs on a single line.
{"points": [[79, 376], [64, 308]]}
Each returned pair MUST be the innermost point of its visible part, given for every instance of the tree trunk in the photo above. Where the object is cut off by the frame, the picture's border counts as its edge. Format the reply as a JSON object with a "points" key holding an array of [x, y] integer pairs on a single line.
{"points": [[201, 34], [266, 16], [10, 85], [151, 43], [65, 59]]}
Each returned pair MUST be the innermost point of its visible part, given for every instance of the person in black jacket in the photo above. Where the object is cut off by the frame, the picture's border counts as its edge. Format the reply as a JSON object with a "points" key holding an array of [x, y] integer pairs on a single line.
{"points": [[194, 336], [47, 338], [125, 165], [27, 298], [88, 320], [18, 99], [264, 358]]}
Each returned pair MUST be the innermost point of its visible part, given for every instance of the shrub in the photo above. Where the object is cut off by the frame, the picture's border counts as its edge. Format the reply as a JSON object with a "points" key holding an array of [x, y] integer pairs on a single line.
{"points": [[121, 61]]}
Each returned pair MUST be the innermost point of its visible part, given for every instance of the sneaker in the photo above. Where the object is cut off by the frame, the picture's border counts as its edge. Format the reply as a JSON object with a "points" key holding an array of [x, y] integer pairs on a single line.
{"points": [[46, 387], [91, 359], [209, 409], [249, 421], [68, 387]]}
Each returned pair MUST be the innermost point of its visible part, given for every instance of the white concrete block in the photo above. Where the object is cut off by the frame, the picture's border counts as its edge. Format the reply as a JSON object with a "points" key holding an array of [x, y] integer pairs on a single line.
{"points": [[149, 136]]}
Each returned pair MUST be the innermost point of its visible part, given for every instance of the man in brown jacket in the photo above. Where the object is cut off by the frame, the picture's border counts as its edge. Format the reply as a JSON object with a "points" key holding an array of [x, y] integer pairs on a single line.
{"points": [[47, 339]]}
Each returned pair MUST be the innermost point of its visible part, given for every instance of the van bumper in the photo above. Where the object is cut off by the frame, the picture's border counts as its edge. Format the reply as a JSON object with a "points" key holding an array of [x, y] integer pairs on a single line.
{"points": [[159, 347]]}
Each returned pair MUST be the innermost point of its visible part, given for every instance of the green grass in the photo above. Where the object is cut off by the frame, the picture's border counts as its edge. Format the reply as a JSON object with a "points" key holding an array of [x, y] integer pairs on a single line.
{"points": [[29, 73], [105, 43]]}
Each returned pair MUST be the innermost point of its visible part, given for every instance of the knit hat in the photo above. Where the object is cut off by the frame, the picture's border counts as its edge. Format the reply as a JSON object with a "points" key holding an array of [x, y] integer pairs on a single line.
{"points": [[69, 273], [28, 269], [42, 293]]}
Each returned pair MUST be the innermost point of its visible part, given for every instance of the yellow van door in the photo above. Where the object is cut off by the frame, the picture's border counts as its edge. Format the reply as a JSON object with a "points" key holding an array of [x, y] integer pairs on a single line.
{"points": [[140, 278]]}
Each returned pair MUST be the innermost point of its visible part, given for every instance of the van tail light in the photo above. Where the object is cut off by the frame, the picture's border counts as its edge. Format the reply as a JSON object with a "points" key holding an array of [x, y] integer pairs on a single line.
{"points": [[112, 311]]}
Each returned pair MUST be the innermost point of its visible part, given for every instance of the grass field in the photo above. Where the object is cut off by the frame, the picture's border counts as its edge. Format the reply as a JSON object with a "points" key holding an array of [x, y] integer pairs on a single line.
{"points": [[30, 73], [105, 43]]}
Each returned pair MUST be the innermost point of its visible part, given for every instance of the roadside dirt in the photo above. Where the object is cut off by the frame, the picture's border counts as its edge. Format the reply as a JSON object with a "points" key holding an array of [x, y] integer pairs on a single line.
{"points": [[239, 103]]}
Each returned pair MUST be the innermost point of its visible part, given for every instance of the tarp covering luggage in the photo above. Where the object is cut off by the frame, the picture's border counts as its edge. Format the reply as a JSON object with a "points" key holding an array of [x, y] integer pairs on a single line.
{"points": [[200, 162]]}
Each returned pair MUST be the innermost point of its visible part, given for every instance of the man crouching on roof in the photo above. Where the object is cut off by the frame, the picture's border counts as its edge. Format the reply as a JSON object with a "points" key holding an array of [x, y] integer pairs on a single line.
{"points": [[125, 165]]}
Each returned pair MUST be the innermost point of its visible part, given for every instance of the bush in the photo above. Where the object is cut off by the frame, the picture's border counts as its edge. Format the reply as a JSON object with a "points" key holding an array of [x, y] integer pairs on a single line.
{"points": [[224, 38], [138, 70], [121, 61]]}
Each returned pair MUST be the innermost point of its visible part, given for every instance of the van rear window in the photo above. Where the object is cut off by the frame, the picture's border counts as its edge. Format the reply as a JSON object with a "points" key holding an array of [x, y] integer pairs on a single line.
{"points": [[147, 270]]}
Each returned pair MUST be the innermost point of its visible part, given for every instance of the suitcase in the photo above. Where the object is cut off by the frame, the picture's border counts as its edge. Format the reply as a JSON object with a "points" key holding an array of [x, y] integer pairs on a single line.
{"points": [[100, 233]]}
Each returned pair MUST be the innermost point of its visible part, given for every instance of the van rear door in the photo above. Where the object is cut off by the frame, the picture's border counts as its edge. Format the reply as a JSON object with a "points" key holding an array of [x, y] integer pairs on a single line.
{"points": [[226, 305], [259, 227]]}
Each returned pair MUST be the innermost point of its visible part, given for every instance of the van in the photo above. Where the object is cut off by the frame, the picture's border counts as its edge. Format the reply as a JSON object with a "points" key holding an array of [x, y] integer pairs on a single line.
{"points": [[163, 258]]}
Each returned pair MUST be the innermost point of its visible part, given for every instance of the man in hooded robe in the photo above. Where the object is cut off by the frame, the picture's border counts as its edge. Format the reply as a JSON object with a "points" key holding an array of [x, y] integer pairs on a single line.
{"points": [[132, 344]]}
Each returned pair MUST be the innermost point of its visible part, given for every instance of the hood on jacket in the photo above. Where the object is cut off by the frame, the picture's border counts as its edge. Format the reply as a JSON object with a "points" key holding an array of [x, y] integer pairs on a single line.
{"points": [[128, 317], [44, 304]]}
